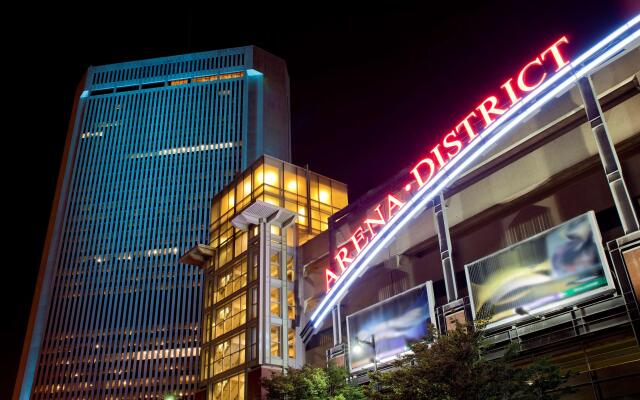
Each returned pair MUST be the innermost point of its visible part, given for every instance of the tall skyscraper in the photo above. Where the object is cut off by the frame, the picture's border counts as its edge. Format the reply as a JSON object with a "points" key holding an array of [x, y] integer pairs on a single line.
{"points": [[150, 143]]}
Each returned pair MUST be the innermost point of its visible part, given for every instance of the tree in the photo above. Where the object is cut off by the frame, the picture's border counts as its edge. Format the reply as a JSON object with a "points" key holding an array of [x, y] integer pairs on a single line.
{"points": [[311, 383], [455, 367]]}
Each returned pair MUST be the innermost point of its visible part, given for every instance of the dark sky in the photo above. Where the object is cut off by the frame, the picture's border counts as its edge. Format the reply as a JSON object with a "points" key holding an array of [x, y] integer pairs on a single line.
{"points": [[371, 87]]}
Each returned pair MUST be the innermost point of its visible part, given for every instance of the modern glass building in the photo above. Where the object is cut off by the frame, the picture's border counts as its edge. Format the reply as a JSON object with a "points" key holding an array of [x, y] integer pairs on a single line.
{"points": [[150, 143], [252, 290]]}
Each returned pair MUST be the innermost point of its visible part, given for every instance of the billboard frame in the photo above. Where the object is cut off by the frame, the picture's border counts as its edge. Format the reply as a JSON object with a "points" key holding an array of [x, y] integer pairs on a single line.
{"points": [[548, 309], [431, 300]]}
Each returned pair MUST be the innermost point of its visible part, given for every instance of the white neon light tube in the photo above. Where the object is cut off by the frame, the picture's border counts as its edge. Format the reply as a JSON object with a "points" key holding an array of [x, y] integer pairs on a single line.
{"points": [[458, 164]]}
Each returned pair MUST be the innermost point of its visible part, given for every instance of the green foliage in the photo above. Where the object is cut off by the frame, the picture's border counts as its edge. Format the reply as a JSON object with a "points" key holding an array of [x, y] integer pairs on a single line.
{"points": [[310, 383], [455, 367]]}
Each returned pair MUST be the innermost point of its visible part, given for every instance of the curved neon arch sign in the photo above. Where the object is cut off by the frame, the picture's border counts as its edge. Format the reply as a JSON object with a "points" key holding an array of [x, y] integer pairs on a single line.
{"points": [[545, 77]]}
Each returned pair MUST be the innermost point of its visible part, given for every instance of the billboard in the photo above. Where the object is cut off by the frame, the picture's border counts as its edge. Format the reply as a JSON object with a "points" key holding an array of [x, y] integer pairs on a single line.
{"points": [[632, 261], [553, 269], [384, 330]]}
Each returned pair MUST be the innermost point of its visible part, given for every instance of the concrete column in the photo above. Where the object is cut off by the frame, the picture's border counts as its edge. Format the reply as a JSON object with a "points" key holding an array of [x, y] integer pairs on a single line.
{"points": [[608, 157], [336, 325], [444, 242], [264, 313]]}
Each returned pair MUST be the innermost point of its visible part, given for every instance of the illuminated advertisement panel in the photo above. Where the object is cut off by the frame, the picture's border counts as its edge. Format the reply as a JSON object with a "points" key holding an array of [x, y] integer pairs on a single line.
{"points": [[556, 268], [385, 330]]}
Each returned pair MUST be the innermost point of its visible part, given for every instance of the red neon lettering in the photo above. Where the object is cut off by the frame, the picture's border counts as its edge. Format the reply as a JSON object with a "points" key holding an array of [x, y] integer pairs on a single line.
{"points": [[330, 277], [342, 258], [521, 77], [416, 173], [358, 237], [393, 203], [491, 110], [449, 144], [467, 126], [512, 94], [436, 152], [555, 52], [370, 222]]}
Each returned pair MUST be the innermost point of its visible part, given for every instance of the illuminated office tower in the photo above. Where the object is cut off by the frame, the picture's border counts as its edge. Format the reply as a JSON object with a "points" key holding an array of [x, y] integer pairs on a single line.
{"points": [[150, 143]]}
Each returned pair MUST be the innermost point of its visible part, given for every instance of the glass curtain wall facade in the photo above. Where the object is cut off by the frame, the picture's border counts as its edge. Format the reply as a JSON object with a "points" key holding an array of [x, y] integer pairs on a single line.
{"points": [[250, 322], [115, 315]]}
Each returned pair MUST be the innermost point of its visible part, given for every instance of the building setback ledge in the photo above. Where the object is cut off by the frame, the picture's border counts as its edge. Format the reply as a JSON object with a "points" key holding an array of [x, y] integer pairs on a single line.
{"points": [[197, 255]]}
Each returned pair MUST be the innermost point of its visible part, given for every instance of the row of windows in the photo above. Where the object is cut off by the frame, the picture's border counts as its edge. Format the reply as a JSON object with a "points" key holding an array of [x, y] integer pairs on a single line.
{"points": [[232, 242], [275, 265], [229, 353], [231, 388], [162, 69], [276, 343], [231, 281], [187, 149], [289, 178], [231, 315], [275, 303], [208, 78], [311, 197], [71, 387]]}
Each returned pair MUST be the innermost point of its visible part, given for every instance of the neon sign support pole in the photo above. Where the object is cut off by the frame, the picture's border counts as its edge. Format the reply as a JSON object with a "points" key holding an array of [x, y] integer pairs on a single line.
{"points": [[608, 156], [444, 242], [337, 325]]}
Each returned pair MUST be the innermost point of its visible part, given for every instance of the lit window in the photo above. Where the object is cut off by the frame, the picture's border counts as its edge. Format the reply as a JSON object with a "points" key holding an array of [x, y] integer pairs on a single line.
{"points": [[253, 343], [272, 200], [271, 178], [324, 196], [275, 302], [275, 340], [206, 78], [338, 195], [229, 353], [241, 243], [302, 211], [290, 267], [232, 75], [291, 339], [247, 186], [258, 176], [231, 281], [291, 305], [275, 264], [231, 388], [231, 315], [254, 303], [272, 175]]}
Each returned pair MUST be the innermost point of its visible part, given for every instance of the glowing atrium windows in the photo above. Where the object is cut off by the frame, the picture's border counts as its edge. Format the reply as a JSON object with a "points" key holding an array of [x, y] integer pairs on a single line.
{"points": [[231, 388], [275, 340], [229, 353], [231, 281], [231, 315], [275, 302], [255, 263]]}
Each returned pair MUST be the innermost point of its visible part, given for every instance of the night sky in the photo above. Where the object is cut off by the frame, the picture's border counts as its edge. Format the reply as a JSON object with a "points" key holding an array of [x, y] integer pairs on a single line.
{"points": [[371, 88]]}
